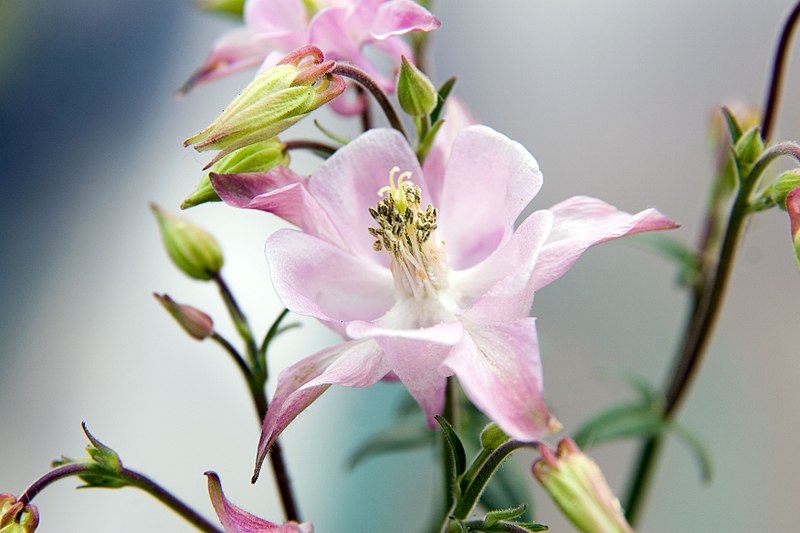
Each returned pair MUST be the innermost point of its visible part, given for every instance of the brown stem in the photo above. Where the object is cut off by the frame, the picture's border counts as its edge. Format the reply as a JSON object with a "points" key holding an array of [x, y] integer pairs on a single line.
{"points": [[364, 79], [778, 68]]}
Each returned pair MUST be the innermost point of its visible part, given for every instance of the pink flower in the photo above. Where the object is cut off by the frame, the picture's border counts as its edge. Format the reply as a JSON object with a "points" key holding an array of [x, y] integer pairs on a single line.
{"points": [[341, 28], [236, 520], [427, 292]]}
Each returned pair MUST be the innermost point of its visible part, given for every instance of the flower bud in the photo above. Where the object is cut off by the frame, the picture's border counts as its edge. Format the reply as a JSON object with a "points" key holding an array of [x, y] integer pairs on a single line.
{"points": [[257, 157], [195, 322], [749, 147], [191, 248], [277, 98], [16, 516], [793, 208], [786, 183], [578, 487], [415, 91]]}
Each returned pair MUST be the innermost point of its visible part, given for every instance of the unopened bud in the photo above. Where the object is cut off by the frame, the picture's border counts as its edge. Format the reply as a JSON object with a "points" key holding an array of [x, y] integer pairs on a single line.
{"points": [[195, 322], [786, 183], [277, 98], [17, 516], [793, 208], [578, 487], [749, 147], [257, 157], [191, 248], [415, 91]]}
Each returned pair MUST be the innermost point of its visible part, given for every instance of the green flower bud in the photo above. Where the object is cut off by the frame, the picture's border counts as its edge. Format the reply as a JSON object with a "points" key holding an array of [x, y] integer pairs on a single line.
{"points": [[793, 208], [17, 516], [226, 7], [191, 248], [195, 322], [786, 183], [415, 91], [578, 487], [749, 147], [257, 157], [274, 100]]}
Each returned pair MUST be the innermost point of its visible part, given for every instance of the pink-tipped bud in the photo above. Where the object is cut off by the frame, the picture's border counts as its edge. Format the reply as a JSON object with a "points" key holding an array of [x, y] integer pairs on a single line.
{"points": [[578, 487], [793, 208], [195, 322]]}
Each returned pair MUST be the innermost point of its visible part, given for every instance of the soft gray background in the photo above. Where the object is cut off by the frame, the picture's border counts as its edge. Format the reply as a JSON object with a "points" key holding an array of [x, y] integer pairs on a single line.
{"points": [[612, 97]]}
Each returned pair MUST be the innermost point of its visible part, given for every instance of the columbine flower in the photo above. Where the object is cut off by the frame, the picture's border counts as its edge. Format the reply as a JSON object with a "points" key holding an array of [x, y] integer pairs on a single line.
{"points": [[236, 520], [342, 28], [578, 487], [424, 279]]}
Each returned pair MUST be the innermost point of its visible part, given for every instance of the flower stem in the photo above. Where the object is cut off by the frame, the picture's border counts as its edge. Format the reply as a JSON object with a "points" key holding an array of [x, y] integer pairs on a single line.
{"points": [[317, 147], [697, 334], [135, 479], [363, 79], [239, 320], [778, 68]]}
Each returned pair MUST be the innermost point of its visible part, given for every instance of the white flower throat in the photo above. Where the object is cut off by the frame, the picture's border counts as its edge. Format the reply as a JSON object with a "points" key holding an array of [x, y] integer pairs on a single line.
{"points": [[406, 232]]}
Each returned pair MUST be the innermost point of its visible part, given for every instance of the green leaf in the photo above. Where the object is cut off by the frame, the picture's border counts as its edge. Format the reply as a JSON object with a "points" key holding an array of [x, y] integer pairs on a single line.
{"points": [[620, 422], [734, 128], [683, 256], [444, 92], [454, 446], [499, 515], [507, 487], [698, 449], [404, 435]]}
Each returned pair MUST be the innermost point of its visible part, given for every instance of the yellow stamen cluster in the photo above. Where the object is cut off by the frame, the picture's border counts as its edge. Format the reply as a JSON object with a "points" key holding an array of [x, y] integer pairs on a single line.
{"points": [[404, 231]]}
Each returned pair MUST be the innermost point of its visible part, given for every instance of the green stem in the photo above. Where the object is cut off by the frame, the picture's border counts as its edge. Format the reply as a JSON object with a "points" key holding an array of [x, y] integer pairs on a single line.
{"points": [[364, 79], [450, 413], [700, 326], [239, 320], [134, 478]]}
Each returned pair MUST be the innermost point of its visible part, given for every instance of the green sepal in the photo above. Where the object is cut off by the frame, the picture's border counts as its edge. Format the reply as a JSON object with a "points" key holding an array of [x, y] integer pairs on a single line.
{"points": [[444, 92], [415, 92], [748, 149], [454, 446]]}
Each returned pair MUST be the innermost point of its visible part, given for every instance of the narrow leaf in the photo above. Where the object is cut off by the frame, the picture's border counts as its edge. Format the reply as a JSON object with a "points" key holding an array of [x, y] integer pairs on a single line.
{"points": [[734, 128], [698, 449], [499, 515], [444, 92], [402, 436], [454, 446], [620, 422]]}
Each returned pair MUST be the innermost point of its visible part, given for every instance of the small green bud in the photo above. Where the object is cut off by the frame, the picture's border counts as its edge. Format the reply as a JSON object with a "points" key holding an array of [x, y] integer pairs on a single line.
{"points": [[415, 91], [226, 7], [578, 487], [786, 183], [257, 157], [195, 322], [276, 99], [191, 248], [749, 147], [17, 516]]}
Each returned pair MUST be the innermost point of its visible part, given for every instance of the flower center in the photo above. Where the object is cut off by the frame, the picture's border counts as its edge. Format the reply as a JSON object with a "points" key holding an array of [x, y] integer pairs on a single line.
{"points": [[406, 232]]}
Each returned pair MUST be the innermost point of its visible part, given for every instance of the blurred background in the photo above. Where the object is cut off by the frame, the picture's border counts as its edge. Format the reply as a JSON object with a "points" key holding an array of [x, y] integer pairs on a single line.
{"points": [[612, 97]]}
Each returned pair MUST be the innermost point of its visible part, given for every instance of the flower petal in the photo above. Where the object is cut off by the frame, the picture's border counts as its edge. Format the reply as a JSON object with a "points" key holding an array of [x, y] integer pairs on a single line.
{"points": [[236, 520], [398, 17], [501, 373], [315, 278], [581, 222], [347, 184], [488, 181], [417, 363], [499, 287], [279, 191], [353, 364]]}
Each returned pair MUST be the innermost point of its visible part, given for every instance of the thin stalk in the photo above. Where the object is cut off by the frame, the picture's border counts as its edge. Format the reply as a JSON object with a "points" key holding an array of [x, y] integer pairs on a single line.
{"points": [[239, 320], [778, 68], [317, 147], [135, 479], [364, 79], [700, 326]]}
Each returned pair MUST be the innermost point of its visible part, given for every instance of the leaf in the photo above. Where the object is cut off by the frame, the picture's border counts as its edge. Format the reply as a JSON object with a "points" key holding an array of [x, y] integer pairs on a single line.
{"points": [[402, 436], [444, 92], [620, 422], [698, 449], [504, 514], [454, 446], [734, 128], [683, 256], [507, 487]]}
